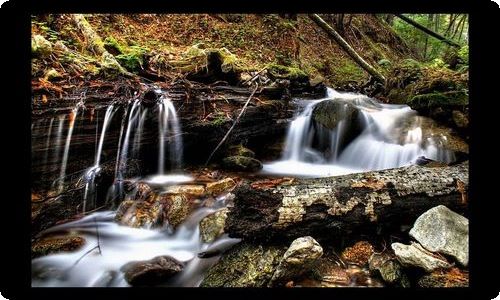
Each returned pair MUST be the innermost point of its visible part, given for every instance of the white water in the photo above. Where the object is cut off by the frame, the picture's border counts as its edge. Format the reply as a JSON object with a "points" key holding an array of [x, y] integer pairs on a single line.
{"points": [[122, 244], [94, 170], [374, 149], [72, 118]]}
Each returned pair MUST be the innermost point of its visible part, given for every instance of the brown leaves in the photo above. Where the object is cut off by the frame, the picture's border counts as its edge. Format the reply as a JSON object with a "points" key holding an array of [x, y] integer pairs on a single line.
{"points": [[463, 191]]}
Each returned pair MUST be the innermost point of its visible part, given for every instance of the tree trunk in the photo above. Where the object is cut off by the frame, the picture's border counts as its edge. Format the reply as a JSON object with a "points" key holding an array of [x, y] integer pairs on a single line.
{"points": [[428, 31], [347, 48], [337, 206]]}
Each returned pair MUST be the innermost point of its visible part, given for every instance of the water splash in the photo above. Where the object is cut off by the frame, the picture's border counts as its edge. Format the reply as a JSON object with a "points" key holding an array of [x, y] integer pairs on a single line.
{"points": [[122, 244], [375, 148]]}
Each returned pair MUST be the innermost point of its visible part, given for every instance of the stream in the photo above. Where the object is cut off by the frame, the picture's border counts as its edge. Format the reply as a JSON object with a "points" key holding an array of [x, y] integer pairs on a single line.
{"points": [[387, 136]]}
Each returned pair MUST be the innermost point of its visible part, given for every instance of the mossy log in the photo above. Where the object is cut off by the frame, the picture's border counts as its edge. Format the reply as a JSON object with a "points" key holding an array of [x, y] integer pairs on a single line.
{"points": [[338, 206]]}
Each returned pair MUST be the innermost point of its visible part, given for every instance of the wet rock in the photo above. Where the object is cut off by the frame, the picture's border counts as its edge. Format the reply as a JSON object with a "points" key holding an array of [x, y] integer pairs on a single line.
{"points": [[389, 269], [58, 244], [40, 47], [215, 188], [452, 278], [178, 208], [416, 255], [441, 230], [151, 272], [241, 163], [146, 214], [245, 265], [195, 190], [359, 253], [240, 150], [300, 257], [212, 226], [150, 97], [460, 119], [330, 113]]}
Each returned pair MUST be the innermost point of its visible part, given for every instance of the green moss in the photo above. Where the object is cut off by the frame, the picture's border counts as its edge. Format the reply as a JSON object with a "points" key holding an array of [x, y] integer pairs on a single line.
{"points": [[246, 265], [451, 98], [112, 45], [286, 72]]}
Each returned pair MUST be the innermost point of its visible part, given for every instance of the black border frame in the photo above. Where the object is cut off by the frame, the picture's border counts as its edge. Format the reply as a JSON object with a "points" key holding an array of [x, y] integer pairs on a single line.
{"points": [[15, 281]]}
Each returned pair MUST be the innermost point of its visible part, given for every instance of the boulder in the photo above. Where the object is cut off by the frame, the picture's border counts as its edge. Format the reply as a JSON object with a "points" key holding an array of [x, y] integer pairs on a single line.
{"points": [[359, 253], [245, 265], [241, 163], [441, 230], [460, 119], [151, 272], [330, 113], [195, 190], [212, 226], [415, 255], [300, 257], [51, 245]]}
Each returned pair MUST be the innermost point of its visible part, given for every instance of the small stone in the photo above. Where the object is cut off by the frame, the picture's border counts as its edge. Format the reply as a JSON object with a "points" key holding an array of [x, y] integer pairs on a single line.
{"points": [[298, 259], [416, 255], [441, 230], [241, 163], [151, 272], [53, 245], [359, 253], [389, 269], [212, 226], [215, 188]]}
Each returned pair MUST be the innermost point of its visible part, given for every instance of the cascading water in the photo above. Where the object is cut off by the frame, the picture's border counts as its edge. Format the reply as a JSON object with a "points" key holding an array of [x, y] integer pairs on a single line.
{"points": [[375, 148]]}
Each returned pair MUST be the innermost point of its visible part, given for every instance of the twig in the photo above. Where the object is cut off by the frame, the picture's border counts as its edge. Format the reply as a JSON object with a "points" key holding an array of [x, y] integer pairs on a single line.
{"points": [[254, 76], [234, 124]]}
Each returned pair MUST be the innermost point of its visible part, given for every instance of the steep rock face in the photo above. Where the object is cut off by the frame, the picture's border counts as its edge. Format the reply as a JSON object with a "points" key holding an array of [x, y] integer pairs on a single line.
{"points": [[441, 230]]}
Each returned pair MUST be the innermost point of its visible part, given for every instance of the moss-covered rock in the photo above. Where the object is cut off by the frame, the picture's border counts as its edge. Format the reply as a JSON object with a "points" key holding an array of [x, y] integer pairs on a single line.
{"points": [[245, 265], [219, 187], [439, 279], [52, 75], [53, 245], [330, 113], [287, 72], [241, 163], [40, 47], [240, 150], [435, 99], [212, 226], [112, 46], [386, 266]]}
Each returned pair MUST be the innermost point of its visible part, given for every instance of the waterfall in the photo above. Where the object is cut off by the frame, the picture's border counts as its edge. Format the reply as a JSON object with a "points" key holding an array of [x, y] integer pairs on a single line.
{"points": [[94, 170], [376, 147], [72, 118]]}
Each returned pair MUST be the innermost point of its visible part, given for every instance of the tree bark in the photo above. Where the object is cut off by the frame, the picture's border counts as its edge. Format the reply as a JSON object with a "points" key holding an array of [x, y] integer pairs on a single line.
{"points": [[337, 206], [347, 48], [428, 31]]}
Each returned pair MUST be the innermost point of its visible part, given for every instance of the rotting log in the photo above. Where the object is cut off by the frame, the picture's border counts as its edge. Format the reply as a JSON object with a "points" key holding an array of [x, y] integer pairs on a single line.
{"points": [[347, 48], [339, 206]]}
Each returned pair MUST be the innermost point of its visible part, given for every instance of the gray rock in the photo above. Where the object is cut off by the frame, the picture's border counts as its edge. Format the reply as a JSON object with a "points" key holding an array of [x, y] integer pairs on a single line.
{"points": [[151, 272], [330, 113], [416, 255], [298, 259], [441, 230]]}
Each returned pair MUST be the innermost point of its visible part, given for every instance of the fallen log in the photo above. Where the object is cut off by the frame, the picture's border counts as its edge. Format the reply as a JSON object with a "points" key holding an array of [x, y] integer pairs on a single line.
{"points": [[338, 206]]}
